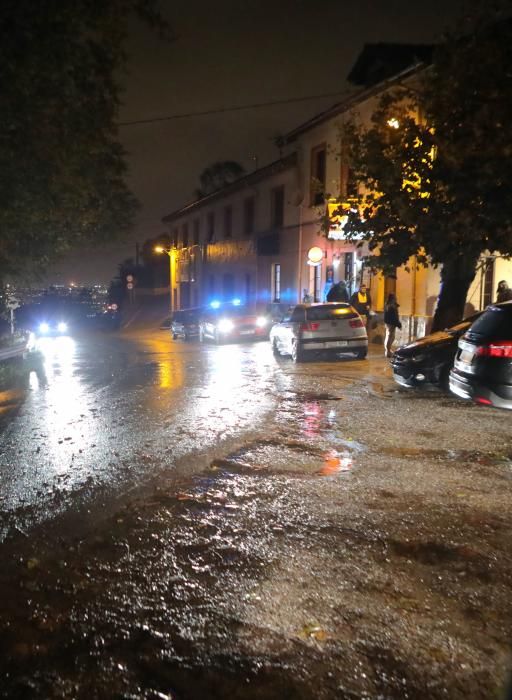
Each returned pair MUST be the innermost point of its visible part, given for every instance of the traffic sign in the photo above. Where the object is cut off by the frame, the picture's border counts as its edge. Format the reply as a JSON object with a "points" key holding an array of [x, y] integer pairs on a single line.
{"points": [[12, 303], [129, 278], [129, 285]]}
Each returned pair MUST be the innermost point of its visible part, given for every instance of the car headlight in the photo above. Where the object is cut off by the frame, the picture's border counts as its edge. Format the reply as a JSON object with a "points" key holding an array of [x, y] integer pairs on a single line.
{"points": [[44, 327], [261, 321], [225, 325], [62, 327]]}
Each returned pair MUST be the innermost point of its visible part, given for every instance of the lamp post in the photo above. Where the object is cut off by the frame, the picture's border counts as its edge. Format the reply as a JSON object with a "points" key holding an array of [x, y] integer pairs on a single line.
{"points": [[171, 252]]}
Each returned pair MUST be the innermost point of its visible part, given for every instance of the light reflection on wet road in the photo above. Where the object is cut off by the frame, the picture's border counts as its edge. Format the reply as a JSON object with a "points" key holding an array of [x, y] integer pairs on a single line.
{"points": [[101, 405]]}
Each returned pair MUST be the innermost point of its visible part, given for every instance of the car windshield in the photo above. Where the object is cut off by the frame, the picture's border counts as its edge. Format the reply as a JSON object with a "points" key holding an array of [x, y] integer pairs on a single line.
{"points": [[329, 312], [495, 323]]}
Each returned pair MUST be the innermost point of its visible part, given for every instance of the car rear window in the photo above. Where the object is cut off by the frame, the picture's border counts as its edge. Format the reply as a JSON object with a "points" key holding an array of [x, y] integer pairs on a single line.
{"points": [[495, 324], [330, 312]]}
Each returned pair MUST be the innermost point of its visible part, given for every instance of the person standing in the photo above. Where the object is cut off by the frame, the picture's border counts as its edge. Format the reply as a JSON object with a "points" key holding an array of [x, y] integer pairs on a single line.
{"points": [[361, 301], [392, 322], [504, 292], [338, 292]]}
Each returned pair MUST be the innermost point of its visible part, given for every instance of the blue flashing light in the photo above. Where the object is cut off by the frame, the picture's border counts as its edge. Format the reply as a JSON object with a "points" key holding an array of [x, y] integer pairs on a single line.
{"points": [[215, 304], [236, 302]]}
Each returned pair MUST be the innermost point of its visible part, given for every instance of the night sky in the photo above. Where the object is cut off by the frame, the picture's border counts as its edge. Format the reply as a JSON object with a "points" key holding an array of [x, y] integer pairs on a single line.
{"points": [[231, 53]]}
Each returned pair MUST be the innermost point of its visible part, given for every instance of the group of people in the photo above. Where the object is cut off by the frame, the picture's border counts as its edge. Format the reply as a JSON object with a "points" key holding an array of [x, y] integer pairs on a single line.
{"points": [[360, 300]]}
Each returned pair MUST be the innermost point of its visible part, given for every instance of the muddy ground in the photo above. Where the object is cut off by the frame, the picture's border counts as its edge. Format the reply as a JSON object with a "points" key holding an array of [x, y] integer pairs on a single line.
{"points": [[356, 546]]}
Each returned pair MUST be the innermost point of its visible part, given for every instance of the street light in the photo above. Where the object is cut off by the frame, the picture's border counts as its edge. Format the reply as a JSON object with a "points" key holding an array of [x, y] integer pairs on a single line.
{"points": [[171, 252]]}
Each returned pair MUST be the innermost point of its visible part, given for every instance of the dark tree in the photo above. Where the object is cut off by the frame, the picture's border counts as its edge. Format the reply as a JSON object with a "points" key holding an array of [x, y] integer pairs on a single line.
{"points": [[62, 168], [218, 175], [438, 187]]}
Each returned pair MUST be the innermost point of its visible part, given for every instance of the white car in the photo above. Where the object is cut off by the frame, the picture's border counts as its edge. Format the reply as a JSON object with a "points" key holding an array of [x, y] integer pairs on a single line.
{"points": [[312, 329]]}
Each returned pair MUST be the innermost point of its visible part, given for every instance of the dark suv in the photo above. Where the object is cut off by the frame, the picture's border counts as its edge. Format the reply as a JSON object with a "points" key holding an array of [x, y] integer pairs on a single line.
{"points": [[482, 370]]}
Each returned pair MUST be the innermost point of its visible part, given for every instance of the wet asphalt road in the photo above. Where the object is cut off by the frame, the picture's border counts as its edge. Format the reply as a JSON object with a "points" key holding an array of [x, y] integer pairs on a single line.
{"points": [[259, 529], [105, 416]]}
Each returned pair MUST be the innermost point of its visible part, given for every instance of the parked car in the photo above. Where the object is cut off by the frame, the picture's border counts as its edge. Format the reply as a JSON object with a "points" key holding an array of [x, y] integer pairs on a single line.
{"points": [[312, 329], [482, 370], [185, 323], [427, 361], [230, 322]]}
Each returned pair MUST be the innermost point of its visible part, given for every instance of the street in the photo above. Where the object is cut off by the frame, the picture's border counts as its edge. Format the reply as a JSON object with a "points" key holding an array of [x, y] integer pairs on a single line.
{"points": [[191, 521]]}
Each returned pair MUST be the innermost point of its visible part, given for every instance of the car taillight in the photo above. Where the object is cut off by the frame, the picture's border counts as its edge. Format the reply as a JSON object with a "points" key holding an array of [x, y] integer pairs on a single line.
{"points": [[500, 348], [482, 401], [309, 326], [356, 323]]}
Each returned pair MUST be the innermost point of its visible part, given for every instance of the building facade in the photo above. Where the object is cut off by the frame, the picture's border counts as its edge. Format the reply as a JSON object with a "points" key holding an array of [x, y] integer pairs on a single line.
{"points": [[260, 239]]}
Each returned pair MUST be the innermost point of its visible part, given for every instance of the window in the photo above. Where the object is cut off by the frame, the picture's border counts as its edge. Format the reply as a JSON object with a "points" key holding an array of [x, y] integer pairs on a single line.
{"points": [[210, 226], [195, 232], [249, 215], [228, 221], [298, 315], [493, 324], [330, 313], [184, 236], [277, 213], [488, 282], [318, 167], [276, 282], [315, 280]]}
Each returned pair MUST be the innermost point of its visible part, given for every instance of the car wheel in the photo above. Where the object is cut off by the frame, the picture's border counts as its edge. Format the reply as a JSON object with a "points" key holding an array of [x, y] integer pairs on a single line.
{"points": [[174, 336], [201, 335], [298, 354], [275, 348], [361, 354]]}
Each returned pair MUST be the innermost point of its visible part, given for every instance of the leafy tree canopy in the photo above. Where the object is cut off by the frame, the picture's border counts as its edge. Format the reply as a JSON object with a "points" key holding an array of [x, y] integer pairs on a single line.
{"points": [[218, 175], [62, 167], [436, 165]]}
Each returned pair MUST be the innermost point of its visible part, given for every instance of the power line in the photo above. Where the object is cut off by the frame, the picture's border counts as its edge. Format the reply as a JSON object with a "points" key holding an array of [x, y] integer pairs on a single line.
{"points": [[238, 108]]}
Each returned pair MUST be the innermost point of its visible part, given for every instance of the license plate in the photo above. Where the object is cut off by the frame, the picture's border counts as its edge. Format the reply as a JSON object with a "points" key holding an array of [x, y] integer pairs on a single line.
{"points": [[336, 344], [246, 332]]}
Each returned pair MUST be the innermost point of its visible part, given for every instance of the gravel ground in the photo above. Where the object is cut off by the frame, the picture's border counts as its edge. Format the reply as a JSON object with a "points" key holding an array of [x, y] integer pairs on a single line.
{"points": [[357, 546]]}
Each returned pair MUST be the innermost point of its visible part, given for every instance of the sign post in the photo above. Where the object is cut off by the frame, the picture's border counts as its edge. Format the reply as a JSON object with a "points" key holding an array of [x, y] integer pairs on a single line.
{"points": [[12, 304]]}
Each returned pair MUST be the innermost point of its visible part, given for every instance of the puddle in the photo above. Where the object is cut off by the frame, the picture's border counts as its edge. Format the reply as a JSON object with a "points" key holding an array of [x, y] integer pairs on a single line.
{"points": [[293, 458], [334, 463], [277, 458]]}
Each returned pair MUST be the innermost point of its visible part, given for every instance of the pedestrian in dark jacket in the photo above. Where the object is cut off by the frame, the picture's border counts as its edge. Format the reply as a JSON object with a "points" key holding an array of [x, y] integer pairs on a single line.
{"points": [[503, 293], [361, 301], [392, 322], [338, 292]]}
